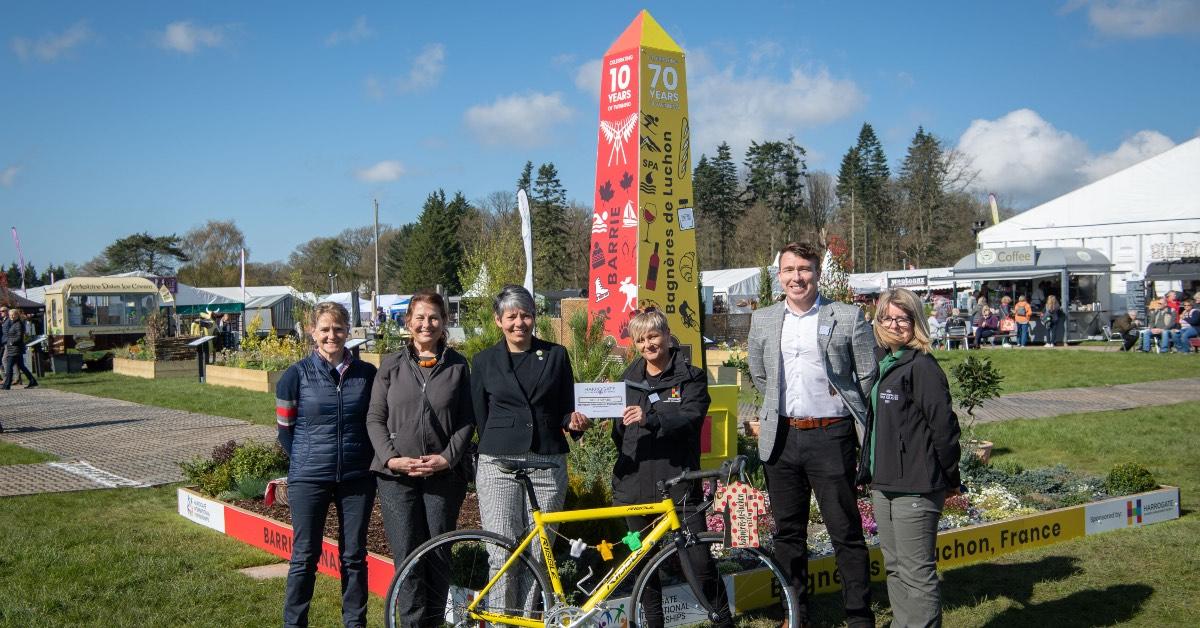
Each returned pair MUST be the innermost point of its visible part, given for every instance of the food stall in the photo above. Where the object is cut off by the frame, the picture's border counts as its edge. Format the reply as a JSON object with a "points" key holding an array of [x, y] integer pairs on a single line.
{"points": [[1079, 277], [98, 313]]}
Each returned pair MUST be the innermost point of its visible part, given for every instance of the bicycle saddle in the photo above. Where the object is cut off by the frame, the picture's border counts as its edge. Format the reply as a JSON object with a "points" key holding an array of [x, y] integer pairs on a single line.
{"points": [[512, 466]]}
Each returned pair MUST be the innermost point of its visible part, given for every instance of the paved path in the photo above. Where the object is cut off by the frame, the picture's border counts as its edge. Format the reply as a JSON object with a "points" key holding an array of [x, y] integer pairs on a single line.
{"points": [[105, 443], [1054, 402]]}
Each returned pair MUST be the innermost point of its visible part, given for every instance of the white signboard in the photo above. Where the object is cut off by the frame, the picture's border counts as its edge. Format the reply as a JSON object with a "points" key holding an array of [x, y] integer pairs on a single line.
{"points": [[604, 400], [1132, 511], [205, 512]]}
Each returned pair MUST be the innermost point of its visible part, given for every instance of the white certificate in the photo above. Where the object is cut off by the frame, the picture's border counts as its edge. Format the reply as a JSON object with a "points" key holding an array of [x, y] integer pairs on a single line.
{"points": [[601, 401]]}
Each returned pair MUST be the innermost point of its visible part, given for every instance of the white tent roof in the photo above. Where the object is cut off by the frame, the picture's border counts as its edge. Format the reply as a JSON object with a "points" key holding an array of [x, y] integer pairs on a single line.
{"points": [[364, 305], [188, 295], [732, 281], [235, 292], [1158, 195]]}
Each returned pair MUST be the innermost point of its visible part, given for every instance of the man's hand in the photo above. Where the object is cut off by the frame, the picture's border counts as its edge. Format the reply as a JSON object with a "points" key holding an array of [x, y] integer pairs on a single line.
{"points": [[578, 422]]}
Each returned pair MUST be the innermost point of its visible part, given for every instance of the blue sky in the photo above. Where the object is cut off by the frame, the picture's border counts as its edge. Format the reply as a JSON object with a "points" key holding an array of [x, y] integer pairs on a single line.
{"points": [[290, 117]]}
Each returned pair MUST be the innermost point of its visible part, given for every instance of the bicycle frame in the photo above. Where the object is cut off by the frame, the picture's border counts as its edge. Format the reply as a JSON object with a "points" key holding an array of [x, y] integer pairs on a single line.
{"points": [[669, 522]]}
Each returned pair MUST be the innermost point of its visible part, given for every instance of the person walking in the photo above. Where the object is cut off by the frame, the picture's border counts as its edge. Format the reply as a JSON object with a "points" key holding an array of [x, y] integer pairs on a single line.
{"points": [[523, 391], [321, 408], [658, 438], [420, 423], [911, 458], [14, 349], [813, 361]]}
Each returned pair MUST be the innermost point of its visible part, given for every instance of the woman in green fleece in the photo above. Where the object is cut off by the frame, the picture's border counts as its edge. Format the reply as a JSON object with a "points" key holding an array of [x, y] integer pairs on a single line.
{"points": [[911, 457]]}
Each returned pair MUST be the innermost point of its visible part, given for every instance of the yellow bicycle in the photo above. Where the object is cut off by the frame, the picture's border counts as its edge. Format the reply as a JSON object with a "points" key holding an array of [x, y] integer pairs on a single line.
{"points": [[472, 577]]}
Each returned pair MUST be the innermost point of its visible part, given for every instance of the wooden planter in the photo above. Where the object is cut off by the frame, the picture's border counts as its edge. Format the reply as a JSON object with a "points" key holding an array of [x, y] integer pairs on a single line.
{"points": [[154, 369], [248, 379]]}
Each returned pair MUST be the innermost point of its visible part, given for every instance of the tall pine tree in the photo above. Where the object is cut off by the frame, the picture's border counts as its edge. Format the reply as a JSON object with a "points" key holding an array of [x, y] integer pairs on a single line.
{"points": [[923, 180], [548, 205], [525, 181], [776, 179], [716, 190], [433, 252]]}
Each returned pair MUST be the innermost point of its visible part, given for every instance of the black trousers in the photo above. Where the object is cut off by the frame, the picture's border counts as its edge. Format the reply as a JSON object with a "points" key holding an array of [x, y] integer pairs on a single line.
{"points": [[701, 561], [310, 503], [820, 461], [415, 510], [12, 362]]}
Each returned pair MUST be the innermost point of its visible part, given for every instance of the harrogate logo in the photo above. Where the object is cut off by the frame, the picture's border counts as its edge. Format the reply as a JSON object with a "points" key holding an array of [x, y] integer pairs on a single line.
{"points": [[1133, 509]]}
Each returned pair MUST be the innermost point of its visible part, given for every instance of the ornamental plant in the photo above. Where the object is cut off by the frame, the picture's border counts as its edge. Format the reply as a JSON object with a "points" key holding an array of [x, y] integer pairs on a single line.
{"points": [[236, 471], [976, 380], [1129, 478]]}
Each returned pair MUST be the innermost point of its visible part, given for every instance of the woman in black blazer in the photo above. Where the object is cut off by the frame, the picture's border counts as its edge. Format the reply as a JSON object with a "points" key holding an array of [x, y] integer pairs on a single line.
{"points": [[524, 395]]}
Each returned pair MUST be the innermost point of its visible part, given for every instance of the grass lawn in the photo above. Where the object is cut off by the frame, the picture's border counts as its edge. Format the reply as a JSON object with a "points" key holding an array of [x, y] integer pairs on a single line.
{"points": [[125, 558], [1041, 369], [179, 394], [13, 454]]}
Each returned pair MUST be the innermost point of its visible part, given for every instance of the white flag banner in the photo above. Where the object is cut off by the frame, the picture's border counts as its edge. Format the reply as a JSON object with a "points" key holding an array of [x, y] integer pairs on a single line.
{"points": [[526, 237]]}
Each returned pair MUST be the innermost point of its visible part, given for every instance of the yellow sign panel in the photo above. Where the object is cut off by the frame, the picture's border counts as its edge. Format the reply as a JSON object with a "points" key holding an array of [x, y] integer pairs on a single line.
{"points": [[718, 439]]}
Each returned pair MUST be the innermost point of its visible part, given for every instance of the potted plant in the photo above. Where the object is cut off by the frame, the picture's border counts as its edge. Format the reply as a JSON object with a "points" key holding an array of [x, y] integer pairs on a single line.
{"points": [[977, 380]]}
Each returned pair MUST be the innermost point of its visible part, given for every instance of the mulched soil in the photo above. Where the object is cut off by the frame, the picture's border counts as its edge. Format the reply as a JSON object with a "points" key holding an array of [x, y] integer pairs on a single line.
{"points": [[468, 518]]}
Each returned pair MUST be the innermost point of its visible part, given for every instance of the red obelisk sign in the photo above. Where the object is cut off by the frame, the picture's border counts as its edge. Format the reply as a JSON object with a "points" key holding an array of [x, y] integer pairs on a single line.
{"points": [[643, 248]]}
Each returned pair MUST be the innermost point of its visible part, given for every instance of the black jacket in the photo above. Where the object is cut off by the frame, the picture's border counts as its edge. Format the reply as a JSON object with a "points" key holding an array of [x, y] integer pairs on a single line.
{"points": [[915, 429], [669, 441], [505, 418], [13, 333], [411, 416], [329, 441]]}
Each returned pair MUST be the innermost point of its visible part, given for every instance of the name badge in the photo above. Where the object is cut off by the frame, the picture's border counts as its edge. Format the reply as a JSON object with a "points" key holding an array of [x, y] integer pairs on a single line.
{"points": [[653, 397], [824, 330]]}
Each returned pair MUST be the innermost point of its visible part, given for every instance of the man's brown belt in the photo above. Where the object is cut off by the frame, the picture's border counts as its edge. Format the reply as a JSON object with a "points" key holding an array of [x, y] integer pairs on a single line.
{"points": [[811, 422]]}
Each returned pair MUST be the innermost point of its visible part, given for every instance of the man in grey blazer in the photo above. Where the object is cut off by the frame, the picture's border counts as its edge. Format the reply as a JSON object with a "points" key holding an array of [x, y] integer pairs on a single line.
{"points": [[813, 361]]}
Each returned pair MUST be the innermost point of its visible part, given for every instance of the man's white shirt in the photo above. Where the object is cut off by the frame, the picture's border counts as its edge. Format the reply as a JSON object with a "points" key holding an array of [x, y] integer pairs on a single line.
{"points": [[804, 388]]}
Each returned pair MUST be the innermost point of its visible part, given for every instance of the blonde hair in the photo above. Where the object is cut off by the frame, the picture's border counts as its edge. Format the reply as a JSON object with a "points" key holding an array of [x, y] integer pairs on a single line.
{"points": [[1052, 302], [645, 322], [910, 304], [336, 310]]}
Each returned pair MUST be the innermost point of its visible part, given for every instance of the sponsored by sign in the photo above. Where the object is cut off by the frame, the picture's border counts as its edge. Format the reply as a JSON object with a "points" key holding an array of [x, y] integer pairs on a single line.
{"points": [[1132, 511], [1011, 256], [203, 511]]}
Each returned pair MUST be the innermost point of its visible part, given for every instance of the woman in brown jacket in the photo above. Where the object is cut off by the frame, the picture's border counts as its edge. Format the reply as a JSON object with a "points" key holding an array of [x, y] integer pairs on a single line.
{"points": [[420, 423]]}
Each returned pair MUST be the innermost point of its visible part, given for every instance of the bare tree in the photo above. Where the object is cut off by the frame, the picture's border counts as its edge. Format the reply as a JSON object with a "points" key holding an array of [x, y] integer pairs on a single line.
{"points": [[821, 205]]}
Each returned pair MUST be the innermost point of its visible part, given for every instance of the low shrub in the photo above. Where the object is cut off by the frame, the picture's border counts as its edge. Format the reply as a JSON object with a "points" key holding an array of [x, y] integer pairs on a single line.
{"points": [[236, 471], [1129, 478]]}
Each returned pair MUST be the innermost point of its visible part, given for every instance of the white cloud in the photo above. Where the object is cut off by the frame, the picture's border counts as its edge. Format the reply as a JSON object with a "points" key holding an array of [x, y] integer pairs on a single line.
{"points": [[1142, 146], [587, 77], [1143, 18], [1026, 158], [51, 47], [426, 69], [765, 50], [740, 107], [382, 172], [359, 31], [8, 176], [185, 37], [518, 120]]}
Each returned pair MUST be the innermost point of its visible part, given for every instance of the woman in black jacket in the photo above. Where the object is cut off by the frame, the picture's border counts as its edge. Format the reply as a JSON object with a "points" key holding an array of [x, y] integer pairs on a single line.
{"points": [[321, 408], [657, 439], [420, 423], [523, 390], [911, 458]]}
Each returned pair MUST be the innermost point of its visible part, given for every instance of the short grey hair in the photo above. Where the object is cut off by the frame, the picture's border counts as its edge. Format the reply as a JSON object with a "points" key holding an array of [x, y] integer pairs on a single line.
{"points": [[513, 297]]}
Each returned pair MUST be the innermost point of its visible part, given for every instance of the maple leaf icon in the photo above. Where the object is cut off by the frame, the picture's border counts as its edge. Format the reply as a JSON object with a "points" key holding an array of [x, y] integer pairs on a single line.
{"points": [[626, 181], [606, 191]]}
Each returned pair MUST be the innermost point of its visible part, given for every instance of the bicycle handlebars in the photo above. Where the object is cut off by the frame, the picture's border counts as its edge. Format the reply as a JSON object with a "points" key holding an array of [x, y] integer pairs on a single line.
{"points": [[737, 465]]}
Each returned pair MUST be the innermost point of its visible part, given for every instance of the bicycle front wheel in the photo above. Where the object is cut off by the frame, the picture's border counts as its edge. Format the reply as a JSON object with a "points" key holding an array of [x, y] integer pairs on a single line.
{"points": [[439, 579], [758, 587]]}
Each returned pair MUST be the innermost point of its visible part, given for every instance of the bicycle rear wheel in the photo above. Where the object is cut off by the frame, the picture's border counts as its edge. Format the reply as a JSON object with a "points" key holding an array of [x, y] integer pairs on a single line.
{"points": [[439, 579], [758, 585]]}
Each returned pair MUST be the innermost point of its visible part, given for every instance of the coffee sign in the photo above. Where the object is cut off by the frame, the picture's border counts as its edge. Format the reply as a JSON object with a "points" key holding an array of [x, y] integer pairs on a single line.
{"points": [[1012, 256]]}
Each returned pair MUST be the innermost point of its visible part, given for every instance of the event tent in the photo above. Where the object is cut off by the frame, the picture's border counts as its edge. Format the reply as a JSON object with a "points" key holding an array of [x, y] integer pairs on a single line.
{"points": [[192, 300], [1145, 213], [734, 285]]}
